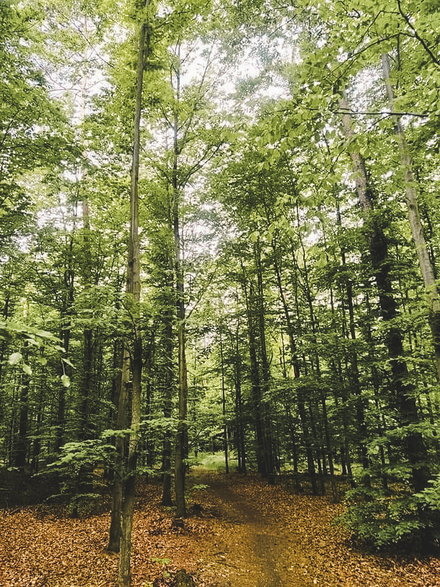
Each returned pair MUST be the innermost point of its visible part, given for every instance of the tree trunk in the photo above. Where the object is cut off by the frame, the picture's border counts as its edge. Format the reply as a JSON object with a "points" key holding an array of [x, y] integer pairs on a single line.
{"points": [[20, 453], [168, 404], [255, 378], [268, 446], [225, 425], [417, 231], [121, 423], [295, 362], [127, 452], [361, 426], [88, 346], [240, 433], [182, 428], [403, 391], [316, 366], [64, 369]]}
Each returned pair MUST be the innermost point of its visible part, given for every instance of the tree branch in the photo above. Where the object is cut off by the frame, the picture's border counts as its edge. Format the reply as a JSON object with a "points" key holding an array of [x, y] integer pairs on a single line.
{"points": [[381, 113], [416, 34]]}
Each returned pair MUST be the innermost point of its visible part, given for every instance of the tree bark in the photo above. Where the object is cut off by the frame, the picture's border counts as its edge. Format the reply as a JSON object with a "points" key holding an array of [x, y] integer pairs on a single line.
{"points": [[255, 377], [417, 230], [295, 362], [268, 445], [239, 427], [66, 323], [88, 343], [168, 403], [223, 384], [182, 427], [403, 391], [361, 425], [20, 456], [132, 357]]}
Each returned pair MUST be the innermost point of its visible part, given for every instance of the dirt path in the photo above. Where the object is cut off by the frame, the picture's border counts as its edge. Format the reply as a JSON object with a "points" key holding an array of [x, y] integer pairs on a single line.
{"points": [[255, 543]]}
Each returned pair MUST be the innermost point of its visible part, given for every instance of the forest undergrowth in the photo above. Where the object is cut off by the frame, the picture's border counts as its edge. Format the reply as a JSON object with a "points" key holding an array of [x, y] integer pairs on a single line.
{"points": [[240, 532]]}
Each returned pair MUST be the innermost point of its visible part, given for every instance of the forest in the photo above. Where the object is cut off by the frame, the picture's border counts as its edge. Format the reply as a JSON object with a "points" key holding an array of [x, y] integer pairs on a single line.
{"points": [[219, 293]]}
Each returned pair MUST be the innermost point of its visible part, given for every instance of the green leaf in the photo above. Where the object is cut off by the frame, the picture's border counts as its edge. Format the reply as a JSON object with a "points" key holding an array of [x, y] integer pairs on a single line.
{"points": [[15, 358], [27, 369], [67, 362], [65, 380]]}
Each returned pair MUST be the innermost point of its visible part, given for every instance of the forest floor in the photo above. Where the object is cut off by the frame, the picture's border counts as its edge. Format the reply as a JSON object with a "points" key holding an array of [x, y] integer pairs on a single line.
{"points": [[242, 533]]}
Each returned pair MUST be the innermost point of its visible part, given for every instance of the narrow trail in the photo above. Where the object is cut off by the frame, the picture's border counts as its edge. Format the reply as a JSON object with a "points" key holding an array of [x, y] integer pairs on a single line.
{"points": [[255, 544]]}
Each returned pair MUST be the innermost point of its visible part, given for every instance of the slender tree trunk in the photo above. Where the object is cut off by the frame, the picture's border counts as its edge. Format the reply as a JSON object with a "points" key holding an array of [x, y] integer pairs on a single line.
{"points": [[256, 399], [182, 427], [418, 233], [317, 368], [20, 453], [36, 444], [225, 425], [64, 369], [240, 433], [121, 423], [12, 425], [116, 372], [181, 441], [290, 421], [268, 445], [4, 419], [295, 362], [88, 345], [127, 451], [403, 391], [361, 426], [149, 447], [168, 404], [3, 344]]}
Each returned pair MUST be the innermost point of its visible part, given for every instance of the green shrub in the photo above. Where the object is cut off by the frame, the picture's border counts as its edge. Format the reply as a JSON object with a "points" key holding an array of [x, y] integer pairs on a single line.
{"points": [[79, 469], [379, 519]]}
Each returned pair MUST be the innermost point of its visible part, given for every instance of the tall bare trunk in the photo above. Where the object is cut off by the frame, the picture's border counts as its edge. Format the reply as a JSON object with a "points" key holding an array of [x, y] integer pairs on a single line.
{"points": [[182, 432], [21, 449], [223, 384], [268, 444], [168, 378], [84, 431], [132, 355], [417, 231], [66, 324], [402, 390], [295, 363]]}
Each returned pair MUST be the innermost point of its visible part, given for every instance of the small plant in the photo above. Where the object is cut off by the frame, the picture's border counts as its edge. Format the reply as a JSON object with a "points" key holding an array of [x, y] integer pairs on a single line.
{"points": [[199, 487], [380, 520], [79, 469], [161, 561]]}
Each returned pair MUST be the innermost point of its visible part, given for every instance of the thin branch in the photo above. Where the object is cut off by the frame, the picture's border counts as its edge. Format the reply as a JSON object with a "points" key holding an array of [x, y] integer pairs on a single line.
{"points": [[381, 113], [199, 95], [356, 54], [204, 290], [416, 34], [209, 153]]}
